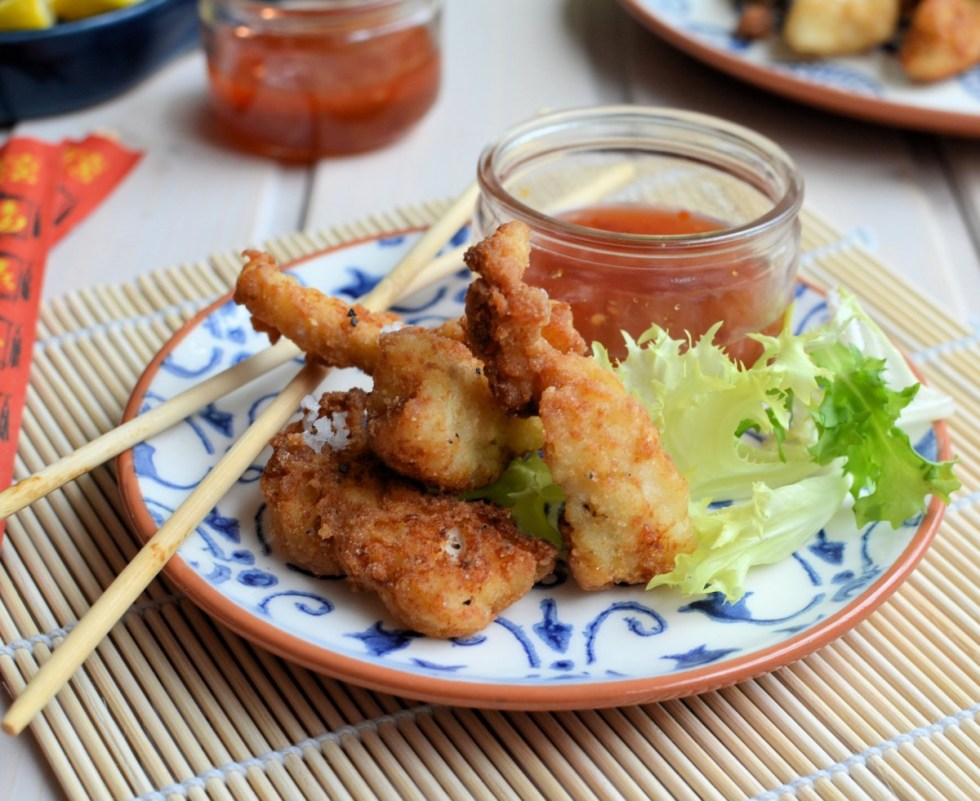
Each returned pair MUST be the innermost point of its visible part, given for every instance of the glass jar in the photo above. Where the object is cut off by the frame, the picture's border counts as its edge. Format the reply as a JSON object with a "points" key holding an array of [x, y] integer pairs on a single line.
{"points": [[301, 79], [649, 215]]}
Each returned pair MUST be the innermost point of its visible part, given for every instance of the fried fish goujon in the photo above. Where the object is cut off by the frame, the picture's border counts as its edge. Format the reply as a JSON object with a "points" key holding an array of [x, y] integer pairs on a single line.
{"points": [[336, 333], [626, 506], [442, 566], [936, 39], [432, 416], [839, 27]]}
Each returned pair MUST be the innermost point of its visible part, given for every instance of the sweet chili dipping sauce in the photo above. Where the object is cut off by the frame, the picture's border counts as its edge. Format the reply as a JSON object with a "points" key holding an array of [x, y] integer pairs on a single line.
{"points": [[301, 79], [702, 226], [689, 295]]}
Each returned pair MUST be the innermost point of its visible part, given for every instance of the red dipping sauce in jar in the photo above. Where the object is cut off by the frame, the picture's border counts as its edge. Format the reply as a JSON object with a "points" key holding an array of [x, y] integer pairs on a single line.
{"points": [[686, 298], [302, 79], [702, 227]]}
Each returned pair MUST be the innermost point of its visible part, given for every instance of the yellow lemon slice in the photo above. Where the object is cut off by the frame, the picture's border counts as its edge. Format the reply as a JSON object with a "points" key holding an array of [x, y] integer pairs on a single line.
{"points": [[25, 15], [77, 9]]}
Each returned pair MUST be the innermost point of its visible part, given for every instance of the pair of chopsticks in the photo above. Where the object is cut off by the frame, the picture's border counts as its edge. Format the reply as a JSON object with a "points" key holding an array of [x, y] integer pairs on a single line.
{"points": [[415, 271], [158, 550]]}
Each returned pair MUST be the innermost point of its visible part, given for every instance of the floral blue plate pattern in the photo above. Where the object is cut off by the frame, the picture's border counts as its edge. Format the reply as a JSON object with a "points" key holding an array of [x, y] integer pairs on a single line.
{"points": [[558, 647], [870, 86]]}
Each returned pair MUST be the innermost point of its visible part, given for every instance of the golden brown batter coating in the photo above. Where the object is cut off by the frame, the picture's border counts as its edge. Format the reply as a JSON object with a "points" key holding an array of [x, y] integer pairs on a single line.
{"points": [[432, 415], [943, 39], [304, 468], [442, 566], [336, 333], [626, 508]]}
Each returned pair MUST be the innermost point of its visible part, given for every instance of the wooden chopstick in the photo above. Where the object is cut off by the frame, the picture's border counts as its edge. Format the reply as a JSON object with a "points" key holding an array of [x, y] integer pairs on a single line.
{"points": [[423, 273], [134, 578], [142, 427]]}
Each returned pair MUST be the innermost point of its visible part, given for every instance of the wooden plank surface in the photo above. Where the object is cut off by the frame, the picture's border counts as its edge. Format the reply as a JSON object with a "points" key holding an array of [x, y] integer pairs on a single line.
{"points": [[913, 196]]}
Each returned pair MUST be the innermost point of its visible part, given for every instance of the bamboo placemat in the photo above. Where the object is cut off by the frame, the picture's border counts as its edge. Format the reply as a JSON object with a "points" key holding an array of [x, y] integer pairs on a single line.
{"points": [[173, 705]]}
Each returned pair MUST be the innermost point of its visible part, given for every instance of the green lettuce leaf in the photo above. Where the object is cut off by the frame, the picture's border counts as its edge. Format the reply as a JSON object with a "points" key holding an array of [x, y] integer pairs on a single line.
{"points": [[766, 528], [534, 500], [853, 326], [857, 420], [702, 402]]}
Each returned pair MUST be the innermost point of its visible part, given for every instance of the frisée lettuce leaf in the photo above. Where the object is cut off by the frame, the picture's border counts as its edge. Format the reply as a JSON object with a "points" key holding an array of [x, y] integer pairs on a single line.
{"points": [[702, 403], [766, 528], [856, 420], [772, 451]]}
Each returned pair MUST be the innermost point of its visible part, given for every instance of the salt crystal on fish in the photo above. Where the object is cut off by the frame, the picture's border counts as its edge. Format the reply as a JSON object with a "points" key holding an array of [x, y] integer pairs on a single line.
{"points": [[319, 431]]}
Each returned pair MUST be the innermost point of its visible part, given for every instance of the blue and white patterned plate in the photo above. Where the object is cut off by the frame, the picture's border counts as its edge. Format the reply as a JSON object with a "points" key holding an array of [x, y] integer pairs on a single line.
{"points": [[870, 86], [558, 647]]}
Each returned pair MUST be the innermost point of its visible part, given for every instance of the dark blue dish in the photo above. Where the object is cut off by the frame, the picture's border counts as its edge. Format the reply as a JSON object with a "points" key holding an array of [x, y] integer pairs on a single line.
{"points": [[76, 64]]}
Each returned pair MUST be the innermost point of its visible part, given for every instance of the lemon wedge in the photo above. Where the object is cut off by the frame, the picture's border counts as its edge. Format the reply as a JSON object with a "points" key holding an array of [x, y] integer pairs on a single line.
{"points": [[25, 15], [77, 9]]}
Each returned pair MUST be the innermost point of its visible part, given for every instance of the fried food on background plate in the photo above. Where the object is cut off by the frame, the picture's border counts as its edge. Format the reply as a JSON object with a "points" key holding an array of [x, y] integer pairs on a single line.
{"points": [[839, 27], [442, 566], [626, 505], [937, 39], [943, 39]]}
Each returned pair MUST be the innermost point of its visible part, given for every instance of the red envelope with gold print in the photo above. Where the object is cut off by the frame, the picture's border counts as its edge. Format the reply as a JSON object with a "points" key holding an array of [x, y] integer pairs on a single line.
{"points": [[45, 190]]}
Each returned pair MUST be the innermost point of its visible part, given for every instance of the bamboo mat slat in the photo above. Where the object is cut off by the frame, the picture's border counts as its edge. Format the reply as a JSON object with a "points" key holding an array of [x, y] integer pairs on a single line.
{"points": [[172, 705]]}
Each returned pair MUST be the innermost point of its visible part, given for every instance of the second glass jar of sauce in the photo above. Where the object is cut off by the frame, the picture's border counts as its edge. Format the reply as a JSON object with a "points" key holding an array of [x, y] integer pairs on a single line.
{"points": [[303, 79], [646, 215]]}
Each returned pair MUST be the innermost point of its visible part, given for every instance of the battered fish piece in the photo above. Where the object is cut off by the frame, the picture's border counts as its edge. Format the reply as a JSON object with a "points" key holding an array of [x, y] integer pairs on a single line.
{"points": [[432, 415], [510, 341], [840, 27], [308, 456], [943, 39], [442, 566], [336, 333], [626, 506]]}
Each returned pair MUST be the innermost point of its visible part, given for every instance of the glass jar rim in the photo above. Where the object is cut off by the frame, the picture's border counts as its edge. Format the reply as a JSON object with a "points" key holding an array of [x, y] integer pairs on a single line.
{"points": [[322, 5], [784, 209], [342, 13]]}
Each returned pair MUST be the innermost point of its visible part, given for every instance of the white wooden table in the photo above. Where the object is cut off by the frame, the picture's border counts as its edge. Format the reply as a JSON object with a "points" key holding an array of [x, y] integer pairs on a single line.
{"points": [[914, 197]]}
